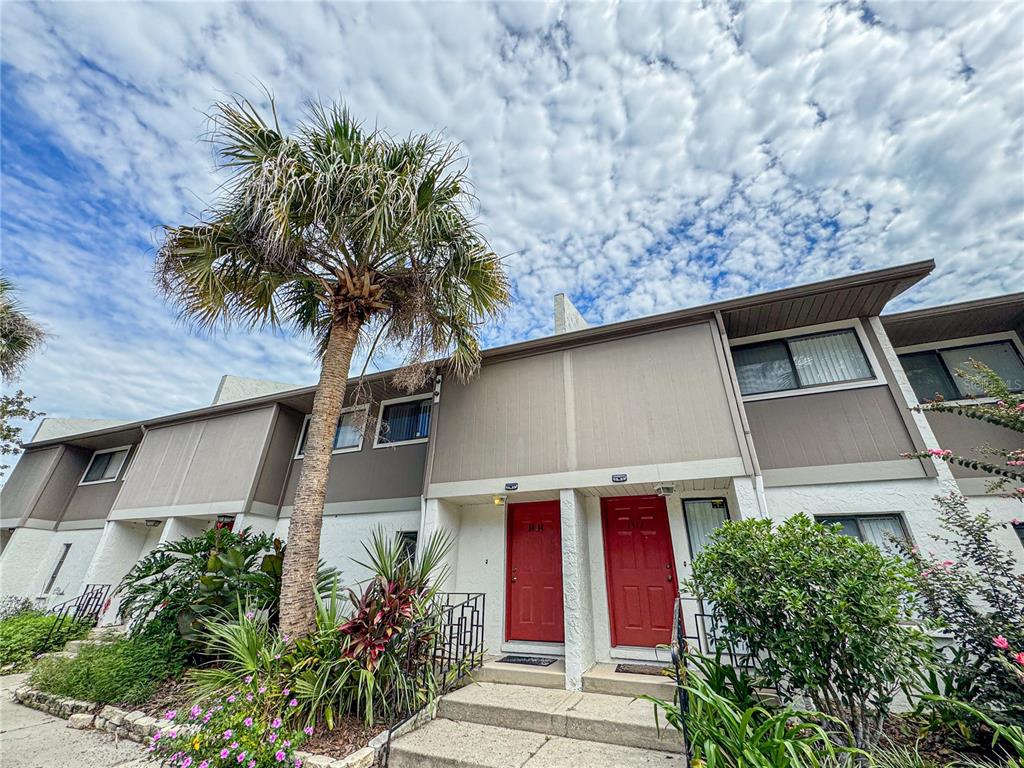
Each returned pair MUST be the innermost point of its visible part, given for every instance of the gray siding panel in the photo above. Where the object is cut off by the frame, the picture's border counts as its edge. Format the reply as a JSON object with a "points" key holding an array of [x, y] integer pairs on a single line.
{"points": [[26, 483], [62, 484], [197, 462], [656, 398], [279, 457], [369, 474], [91, 502], [845, 427], [963, 436]]}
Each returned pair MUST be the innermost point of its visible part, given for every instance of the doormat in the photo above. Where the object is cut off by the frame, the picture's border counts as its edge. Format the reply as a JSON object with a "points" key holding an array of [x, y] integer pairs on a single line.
{"points": [[641, 669], [533, 661]]}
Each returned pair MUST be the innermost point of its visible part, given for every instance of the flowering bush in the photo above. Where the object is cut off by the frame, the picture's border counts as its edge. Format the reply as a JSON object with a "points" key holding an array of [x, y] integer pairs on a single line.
{"points": [[246, 728], [979, 600]]}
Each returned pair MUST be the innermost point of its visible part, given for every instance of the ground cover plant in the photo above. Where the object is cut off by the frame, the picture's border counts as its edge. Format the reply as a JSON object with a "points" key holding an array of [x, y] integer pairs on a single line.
{"points": [[125, 671], [824, 616], [28, 633]]}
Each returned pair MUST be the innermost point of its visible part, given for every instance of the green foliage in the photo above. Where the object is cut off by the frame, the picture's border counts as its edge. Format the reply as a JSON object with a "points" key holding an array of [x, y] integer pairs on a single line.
{"points": [[824, 614], [977, 599], [125, 671], [245, 727], [194, 579], [724, 734], [13, 407], [24, 636], [358, 659]]}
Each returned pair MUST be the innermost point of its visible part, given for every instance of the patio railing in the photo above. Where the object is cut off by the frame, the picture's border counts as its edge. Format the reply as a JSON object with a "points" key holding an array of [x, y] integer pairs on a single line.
{"points": [[86, 607]]}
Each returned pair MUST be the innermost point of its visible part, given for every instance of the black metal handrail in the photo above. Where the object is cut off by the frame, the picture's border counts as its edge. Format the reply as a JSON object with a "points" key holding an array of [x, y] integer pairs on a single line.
{"points": [[86, 607], [680, 647], [441, 649]]}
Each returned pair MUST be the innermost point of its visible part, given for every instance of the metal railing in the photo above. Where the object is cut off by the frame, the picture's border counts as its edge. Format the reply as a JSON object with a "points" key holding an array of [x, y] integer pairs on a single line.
{"points": [[441, 649], [86, 607]]}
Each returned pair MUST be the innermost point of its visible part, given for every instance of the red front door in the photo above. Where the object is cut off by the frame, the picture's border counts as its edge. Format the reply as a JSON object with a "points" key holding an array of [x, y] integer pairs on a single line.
{"points": [[533, 605], [641, 570]]}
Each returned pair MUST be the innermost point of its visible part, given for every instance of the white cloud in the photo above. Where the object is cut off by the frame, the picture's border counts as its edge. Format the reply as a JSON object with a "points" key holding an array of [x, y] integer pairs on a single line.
{"points": [[641, 157]]}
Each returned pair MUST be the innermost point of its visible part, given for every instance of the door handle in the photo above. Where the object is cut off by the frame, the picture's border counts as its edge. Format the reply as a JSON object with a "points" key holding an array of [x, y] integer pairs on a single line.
{"points": [[668, 577]]}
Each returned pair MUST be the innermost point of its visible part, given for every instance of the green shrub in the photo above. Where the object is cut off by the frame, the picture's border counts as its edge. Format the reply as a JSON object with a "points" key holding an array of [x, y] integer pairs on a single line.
{"points": [[24, 636], [825, 615], [125, 671]]}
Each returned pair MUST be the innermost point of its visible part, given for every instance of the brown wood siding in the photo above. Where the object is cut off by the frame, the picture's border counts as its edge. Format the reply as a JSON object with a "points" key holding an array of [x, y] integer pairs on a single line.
{"points": [[655, 398], [963, 436], [845, 427], [197, 462]]}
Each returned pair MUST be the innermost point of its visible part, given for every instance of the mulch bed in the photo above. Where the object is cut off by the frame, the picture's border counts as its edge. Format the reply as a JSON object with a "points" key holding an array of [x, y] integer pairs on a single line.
{"points": [[902, 732], [171, 694], [348, 736]]}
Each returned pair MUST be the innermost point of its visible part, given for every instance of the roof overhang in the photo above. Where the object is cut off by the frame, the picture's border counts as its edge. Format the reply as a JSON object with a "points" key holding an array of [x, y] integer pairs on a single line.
{"points": [[957, 321]]}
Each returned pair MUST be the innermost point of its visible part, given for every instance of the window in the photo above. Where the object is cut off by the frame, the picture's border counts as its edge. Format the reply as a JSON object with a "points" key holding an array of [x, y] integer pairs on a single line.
{"points": [[407, 544], [105, 465], [876, 529], [932, 372], [703, 517], [802, 361], [56, 570], [404, 421], [347, 437], [1019, 528]]}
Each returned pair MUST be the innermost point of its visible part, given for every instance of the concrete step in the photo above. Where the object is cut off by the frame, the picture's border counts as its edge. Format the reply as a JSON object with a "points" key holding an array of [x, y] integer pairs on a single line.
{"points": [[449, 744], [602, 678], [58, 655], [494, 671], [584, 716]]}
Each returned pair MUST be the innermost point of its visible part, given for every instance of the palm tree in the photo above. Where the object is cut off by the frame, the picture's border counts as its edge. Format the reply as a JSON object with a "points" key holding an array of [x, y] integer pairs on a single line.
{"points": [[346, 234], [20, 335]]}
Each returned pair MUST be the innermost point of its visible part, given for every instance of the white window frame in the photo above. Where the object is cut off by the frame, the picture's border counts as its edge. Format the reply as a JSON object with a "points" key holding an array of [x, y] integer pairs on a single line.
{"points": [[120, 470], [824, 517], [350, 449], [854, 324], [964, 341], [380, 420]]}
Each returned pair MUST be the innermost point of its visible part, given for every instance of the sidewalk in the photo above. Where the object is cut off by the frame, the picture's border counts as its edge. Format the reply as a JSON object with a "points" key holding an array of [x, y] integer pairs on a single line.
{"points": [[33, 739]]}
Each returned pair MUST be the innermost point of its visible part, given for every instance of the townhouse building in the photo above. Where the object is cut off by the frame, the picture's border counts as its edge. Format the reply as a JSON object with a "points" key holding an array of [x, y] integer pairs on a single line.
{"points": [[580, 473]]}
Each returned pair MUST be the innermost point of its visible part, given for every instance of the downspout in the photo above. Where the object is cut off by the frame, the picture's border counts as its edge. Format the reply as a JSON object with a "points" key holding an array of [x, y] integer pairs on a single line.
{"points": [[762, 501]]}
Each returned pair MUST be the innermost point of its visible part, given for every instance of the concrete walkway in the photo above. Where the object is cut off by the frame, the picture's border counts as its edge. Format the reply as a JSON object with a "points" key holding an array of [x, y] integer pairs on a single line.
{"points": [[33, 739]]}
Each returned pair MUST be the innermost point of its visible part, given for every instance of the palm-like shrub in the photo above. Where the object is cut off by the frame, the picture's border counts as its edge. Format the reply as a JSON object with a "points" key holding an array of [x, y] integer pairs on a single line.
{"points": [[346, 235]]}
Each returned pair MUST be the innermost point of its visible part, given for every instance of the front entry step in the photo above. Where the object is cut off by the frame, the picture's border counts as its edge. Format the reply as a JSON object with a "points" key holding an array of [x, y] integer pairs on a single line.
{"points": [[583, 716], [451, 744], [602, 678], [493, 671]]}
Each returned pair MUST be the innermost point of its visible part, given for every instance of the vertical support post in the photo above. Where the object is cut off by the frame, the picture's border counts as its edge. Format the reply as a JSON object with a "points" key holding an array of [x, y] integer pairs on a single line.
{"points": [[579, 620]]}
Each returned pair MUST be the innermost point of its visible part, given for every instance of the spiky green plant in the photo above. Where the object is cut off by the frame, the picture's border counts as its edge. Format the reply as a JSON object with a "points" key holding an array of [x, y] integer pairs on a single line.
{"points": [[344, 234]]}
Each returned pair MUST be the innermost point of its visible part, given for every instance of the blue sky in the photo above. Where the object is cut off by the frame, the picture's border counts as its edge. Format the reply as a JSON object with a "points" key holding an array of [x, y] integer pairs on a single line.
{"points": [[638, 157]]}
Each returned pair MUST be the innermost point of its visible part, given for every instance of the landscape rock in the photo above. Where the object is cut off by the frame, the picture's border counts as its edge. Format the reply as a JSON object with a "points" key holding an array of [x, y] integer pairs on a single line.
{"points": [[80, 722]]}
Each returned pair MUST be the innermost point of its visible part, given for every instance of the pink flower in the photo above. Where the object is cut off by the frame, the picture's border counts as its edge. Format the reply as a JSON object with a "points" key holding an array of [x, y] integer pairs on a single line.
{"points": [[248, 697], [252, 764], [157, 735], [186, 762], [286, 691], [231, 699], [298, 763], [241, 757], [170, 714], [234, 745], [1019, 658], [277, 655], [228, 734], [1001, 642], [947, 563], [939, 452], [263, 689], [250, 615], [308, 730], [195, 712], [279, 756], [272, 738], [247, 722], [204, 764], [224, 753], [248, 679], [275, 723], [172, 734], [293, 703]]}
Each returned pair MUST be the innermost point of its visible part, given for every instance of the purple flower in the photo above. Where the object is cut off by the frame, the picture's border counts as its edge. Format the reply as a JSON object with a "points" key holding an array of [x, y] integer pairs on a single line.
{"points": [[279, 756], [224, 753], [272, 738], [157, 735], [172, 734], [195, 712], [277, 655], [308, 730], [252, 764], [293, 703], [248, 697], [286, 691], [241, 757], [231, 699], [247, 722], [298, 763], [186, 762], [275, 723], [263, 689], [234, 745], [170, 714], [248, 679], [250, 615], [228, 734], [206, 717], [204, 764]]}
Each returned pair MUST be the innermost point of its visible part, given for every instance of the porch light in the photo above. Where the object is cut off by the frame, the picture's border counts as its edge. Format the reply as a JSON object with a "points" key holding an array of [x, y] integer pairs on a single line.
{"points": [[152, 523], [499, 501]]}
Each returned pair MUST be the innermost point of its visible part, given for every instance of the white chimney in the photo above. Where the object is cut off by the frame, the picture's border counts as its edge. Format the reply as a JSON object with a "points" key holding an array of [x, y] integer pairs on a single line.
{"points": [[567, 317]]}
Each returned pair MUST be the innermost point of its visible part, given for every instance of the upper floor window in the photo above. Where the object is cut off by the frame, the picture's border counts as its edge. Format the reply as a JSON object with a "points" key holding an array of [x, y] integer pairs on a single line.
{"points": [[405, 420], [932, 372], [798, 362], [879, 530], [347, 437], [105, 465]]}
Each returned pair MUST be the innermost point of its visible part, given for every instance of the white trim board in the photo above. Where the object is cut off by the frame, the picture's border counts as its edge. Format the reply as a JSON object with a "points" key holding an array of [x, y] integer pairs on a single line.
{"points": [[208, 509], [407, 399], [120, 469], [370, 506]]}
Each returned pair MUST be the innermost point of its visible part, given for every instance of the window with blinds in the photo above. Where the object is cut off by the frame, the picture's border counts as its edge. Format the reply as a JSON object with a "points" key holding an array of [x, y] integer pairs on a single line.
{"points": [[404, 422], [347, 437], [932, 373], [881, 530], [799, 362]]}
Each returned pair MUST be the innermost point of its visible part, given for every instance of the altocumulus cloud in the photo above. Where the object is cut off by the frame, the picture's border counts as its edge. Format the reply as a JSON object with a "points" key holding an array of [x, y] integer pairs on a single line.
{"points": [[639, 157]]}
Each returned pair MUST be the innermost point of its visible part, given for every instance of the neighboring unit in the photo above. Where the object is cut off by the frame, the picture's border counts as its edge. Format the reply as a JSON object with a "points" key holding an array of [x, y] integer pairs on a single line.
{"points": [[580, 473]]}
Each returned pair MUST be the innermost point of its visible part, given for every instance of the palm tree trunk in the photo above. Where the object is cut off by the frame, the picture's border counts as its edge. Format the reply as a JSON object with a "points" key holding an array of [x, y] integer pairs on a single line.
{"points": [[303, 551]]}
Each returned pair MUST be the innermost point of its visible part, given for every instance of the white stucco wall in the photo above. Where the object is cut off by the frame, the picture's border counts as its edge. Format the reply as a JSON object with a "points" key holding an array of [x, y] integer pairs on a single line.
{"points": [[22, 562], [480, 565], [118, 548], [1003, 510]]}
